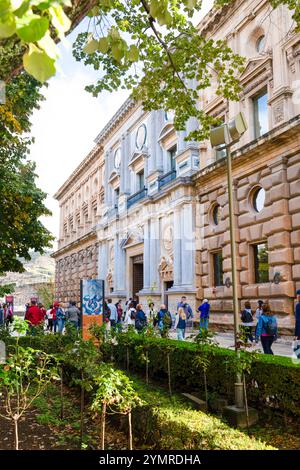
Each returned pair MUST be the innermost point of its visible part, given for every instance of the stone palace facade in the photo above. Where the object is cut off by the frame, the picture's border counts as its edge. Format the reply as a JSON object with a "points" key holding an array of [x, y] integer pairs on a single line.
{"points": [[148, 211]]}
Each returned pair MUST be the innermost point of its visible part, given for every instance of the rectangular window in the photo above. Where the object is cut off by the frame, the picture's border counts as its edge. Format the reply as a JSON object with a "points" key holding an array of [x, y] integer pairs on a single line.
{"points": [[260, 106], [116, 196], [141, 180], [218, 268], [172, 155], [261, 263]]}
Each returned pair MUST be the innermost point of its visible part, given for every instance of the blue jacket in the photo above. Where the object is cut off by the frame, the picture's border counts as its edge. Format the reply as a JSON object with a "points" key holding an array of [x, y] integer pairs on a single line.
{"points": [[187, 309], [261, 325], [140, 315], [204, 310], [297, 315]]}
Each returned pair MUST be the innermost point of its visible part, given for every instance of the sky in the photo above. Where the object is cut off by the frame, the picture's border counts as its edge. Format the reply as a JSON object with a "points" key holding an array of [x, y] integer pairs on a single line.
{"points": [[68, 121]]}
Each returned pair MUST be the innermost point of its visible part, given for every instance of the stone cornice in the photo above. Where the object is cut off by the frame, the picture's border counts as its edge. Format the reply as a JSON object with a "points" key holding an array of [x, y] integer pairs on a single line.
{"points": [[91, 157], [263, 145], [117, 118], [216, 17], [88, 236]]}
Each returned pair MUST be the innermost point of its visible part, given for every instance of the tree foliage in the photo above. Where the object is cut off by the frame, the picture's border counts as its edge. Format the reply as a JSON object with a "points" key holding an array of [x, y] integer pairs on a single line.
{"points": [[154, 50], [21, 202]]}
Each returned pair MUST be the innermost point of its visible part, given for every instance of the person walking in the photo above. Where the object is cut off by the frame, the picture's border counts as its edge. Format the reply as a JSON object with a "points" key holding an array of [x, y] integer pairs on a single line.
{"points": [[187, 309], [267, 329], [164, 320], [73, 314], [113, 313], [180, 324], [34, 316], [258, 312], [130, 315], [152, 313], [204, 310], [49, 318], [60, 318], [140, 318], [247, 322], [119, 314]]}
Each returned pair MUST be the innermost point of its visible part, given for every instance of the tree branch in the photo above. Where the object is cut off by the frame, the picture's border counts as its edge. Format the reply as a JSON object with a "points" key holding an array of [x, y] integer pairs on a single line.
{"points": [[161, 41]]}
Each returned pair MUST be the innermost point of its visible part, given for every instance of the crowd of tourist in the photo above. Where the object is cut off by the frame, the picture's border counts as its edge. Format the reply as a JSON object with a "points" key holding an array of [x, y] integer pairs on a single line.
{"points": [[256, 324]]}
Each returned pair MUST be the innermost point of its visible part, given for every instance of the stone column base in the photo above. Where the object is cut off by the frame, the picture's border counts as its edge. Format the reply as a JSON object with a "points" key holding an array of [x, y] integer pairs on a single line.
{"points": [[237, 416]]}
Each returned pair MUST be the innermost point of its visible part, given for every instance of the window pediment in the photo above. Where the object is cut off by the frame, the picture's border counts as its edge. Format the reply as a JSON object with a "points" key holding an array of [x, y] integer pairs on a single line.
{"points": [[138, 157], [166, 131], [114, 176], [257, 71]]}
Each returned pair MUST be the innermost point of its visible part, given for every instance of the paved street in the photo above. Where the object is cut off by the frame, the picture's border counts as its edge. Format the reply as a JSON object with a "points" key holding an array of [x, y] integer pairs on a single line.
{"points": [[282, 347]]}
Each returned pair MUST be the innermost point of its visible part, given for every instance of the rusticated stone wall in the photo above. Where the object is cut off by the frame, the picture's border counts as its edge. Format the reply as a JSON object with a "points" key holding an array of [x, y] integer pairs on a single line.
{"points": [[71, 267], [278, 224]]}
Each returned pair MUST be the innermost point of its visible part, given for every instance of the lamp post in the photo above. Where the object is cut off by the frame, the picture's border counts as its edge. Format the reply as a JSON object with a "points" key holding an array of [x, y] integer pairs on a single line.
{"points": [[223, 137]]}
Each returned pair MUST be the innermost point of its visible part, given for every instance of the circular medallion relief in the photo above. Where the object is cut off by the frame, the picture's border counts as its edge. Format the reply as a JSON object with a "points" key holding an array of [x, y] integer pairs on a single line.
{"points": [[168, 239], [140, 138], [117, 158]]}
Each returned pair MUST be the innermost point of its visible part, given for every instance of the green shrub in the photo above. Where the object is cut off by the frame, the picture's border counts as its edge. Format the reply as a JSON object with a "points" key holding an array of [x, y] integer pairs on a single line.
{"points": [[165, 423], [273, 381]]}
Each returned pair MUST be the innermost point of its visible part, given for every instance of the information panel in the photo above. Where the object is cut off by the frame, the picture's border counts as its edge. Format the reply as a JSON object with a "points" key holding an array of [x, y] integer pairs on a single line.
{"points": [[92, 295]]}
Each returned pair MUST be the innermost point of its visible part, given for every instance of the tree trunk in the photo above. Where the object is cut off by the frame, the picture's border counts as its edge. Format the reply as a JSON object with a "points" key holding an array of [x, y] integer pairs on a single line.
{"points": [[147, 369], [16, 423], [62, 410], [81, 411], [127, 358], [103, 415], [130, 430], [246, 401], [169, 373], [205, 388]]}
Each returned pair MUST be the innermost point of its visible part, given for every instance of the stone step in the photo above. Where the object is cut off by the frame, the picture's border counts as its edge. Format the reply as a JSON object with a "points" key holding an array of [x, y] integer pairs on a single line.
{"points": [[197, 402]]}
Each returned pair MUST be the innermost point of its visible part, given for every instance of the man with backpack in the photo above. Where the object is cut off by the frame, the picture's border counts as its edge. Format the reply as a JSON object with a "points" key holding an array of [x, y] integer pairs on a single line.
{"points": [[164, 321], [267, 329], [247, 322]]}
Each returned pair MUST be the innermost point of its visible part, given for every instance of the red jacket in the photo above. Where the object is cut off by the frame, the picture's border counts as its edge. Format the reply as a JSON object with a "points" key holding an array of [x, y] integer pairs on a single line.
{"points": [[34, 315]]}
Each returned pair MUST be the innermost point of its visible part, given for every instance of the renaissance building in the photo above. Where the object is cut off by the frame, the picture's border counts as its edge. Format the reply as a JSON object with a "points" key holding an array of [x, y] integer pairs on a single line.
{"points": [[147, 211]]}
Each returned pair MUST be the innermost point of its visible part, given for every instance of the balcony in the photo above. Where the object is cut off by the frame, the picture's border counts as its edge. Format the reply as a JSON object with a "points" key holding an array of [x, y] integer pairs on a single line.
{"points": [[136, 197], [164, 179]]}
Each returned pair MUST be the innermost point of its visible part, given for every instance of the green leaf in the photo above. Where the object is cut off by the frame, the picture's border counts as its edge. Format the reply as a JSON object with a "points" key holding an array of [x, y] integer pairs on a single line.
{"points": [[133, 54], [7, 25], [103, 45], [31, 28], [59, 19], [117, 51], [91, 47], [22, 9], [49, 46], [38, 64]]}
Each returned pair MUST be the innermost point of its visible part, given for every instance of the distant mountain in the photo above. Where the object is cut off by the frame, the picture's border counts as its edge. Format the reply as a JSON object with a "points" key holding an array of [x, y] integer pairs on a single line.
{"points": [[39, 270]]}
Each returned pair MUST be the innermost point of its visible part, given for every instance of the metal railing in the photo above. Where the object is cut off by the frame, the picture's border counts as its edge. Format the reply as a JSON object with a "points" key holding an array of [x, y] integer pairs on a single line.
{"points": [[138, 196], [164, 179]]}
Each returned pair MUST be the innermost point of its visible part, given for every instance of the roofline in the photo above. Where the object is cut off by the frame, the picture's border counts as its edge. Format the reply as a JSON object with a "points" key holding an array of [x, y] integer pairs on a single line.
{"points": [[117, 118]]}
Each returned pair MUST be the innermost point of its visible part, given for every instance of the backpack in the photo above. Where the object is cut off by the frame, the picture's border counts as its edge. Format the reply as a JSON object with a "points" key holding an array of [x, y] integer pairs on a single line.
{"points": [[247, 316], [140, 324], [167, 320], [132, 314], [270, 327]]}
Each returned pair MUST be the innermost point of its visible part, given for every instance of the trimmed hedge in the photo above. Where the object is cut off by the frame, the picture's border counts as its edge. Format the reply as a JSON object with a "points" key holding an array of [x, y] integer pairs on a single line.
{"points": [[169, 423], [273, 382]]}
